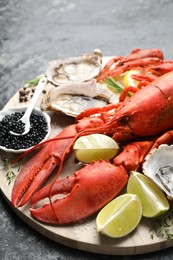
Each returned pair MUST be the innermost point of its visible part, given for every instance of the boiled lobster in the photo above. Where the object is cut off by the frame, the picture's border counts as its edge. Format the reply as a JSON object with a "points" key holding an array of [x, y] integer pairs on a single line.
{"points": [[137, 58], [144, 116]]}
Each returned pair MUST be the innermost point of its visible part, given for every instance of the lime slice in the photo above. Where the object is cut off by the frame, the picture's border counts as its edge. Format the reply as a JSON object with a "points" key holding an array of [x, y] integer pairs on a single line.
{"points": [[95, 147], [119, 78], [128, 80], [120, 216], [154, 202]]}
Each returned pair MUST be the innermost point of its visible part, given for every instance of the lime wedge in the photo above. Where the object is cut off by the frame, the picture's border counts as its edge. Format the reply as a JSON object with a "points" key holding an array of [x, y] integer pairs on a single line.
{"points": [[95, 147], [120, 216], [128, 80], [154, 202]]}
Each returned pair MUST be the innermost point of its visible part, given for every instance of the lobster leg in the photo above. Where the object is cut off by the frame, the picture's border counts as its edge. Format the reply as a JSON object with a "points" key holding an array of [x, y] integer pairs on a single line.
{"points": [[125, 92], [93, 187], [133, 155], [40, 166], [140, 54], [133, 64], [162, 68], [163, 139], [95, 110]]}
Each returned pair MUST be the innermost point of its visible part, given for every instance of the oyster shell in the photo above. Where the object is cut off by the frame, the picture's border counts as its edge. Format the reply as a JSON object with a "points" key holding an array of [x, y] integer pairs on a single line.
{"points": [[76, 69], [72, 99], [158, 166]]}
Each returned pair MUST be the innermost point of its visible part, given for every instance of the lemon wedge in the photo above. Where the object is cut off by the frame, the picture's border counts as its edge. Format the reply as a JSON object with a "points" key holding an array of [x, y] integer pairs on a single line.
{"points": [[120, 216], [128, 80], [154, 202], [95, 147]]}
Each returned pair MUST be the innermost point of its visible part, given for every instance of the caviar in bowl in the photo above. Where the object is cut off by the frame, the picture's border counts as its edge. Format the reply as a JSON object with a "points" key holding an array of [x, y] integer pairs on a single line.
{"points": [[39, 131]]}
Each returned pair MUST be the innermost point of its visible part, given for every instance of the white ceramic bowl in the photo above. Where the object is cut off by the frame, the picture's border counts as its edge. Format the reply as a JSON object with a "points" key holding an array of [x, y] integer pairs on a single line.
{"points": [[8, 111]]}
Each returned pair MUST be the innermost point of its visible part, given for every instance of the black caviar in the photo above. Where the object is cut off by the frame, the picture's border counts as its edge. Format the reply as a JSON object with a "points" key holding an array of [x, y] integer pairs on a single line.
{"points": [[38, 131]]}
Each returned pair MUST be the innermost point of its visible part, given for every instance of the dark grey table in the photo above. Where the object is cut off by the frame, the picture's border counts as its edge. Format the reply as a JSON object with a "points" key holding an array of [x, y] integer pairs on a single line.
{"points": [[34, 32]]}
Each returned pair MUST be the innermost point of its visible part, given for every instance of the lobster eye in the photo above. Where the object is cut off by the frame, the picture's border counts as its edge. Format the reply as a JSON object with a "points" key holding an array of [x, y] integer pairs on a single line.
{"points": [[124, 119]]}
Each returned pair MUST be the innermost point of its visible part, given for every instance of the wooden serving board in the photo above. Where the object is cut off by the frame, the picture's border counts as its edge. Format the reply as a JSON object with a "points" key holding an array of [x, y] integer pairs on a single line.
{"points": [[83, 235]]}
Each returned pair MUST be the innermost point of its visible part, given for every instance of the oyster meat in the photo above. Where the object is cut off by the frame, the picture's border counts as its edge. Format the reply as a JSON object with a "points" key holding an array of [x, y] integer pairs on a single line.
{"points": [[165, 174], [76, 69], [158, 166], [72, 99]]}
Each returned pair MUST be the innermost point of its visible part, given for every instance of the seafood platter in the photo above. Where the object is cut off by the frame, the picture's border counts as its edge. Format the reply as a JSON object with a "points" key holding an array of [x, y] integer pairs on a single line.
{"points": [[128, 98]]}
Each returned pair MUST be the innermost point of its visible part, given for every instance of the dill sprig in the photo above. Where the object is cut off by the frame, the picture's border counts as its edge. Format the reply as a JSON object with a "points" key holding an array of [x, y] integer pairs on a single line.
{"points": [[33, 82], [163, 226], [116, 86], [10, 174]]}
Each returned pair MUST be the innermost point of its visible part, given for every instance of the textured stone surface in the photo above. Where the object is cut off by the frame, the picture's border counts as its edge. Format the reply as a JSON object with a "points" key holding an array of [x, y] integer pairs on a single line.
{"points": [[34, 32]]}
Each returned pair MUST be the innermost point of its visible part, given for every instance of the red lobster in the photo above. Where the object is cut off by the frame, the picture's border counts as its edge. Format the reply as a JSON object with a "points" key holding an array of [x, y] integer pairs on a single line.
{"points": [[145, 115], [149, 63], [137, 58]]}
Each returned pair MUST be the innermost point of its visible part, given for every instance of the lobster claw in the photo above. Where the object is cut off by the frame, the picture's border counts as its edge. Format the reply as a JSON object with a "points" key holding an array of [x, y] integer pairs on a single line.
{"points": [[88, 190], [37, 169]]}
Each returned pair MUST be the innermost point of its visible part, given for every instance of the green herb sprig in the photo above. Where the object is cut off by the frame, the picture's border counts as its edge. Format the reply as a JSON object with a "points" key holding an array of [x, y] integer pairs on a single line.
{"points": [[10, 174], [163, 226], [33, 82], [116, 86]]}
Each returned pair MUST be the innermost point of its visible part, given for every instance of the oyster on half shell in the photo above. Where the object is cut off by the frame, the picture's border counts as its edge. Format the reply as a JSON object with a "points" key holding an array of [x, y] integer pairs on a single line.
{"points": [[75, 69], [158, 166], [72, 99]]}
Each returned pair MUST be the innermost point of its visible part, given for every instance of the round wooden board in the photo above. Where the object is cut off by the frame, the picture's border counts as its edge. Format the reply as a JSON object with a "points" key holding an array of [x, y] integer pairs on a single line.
{"points": [[83, 235]]}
